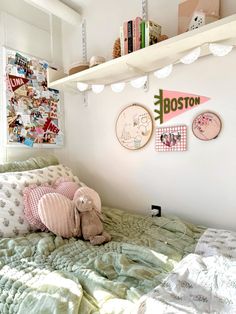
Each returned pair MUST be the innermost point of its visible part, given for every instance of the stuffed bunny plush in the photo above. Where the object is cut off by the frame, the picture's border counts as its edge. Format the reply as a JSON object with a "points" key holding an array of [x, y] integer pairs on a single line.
{"points": [[91, 225]]}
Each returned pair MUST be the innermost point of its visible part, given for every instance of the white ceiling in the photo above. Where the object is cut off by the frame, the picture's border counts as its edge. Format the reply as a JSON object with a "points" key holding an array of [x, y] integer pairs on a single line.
{"points": [[77, 5]]}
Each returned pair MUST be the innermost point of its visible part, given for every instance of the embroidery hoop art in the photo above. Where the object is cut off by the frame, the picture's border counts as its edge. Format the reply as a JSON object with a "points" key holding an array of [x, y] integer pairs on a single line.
{"points": [[141, 119], [207, 132]]}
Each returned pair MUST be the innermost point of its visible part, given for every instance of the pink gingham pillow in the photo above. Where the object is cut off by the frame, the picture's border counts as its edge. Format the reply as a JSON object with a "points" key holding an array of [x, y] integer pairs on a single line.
{"points": [[66, 187], [33, 194]]}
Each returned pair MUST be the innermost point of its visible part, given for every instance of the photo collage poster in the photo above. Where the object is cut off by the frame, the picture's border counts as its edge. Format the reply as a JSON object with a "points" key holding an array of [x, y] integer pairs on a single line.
{"points": [[33, 109]]}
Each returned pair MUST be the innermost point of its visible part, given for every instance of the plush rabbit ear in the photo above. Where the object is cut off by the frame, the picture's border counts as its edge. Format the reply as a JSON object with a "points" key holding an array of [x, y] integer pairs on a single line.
{"points": [[86, 191], [84, 203], [100, 216]]}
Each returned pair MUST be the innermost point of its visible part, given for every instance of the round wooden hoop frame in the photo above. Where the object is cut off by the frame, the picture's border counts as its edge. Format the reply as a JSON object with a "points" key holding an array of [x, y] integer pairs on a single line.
{"points": [[219, 130], [151, 119]]}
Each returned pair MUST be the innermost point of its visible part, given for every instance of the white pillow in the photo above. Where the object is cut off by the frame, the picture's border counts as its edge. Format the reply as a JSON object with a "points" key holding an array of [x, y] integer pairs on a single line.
{"points": [[12, 184]]}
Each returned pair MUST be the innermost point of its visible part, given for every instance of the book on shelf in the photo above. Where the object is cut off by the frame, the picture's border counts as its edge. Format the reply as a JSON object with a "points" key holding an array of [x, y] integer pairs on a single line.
{"points": [[136, 33], [152, 33], [142, 30], [125, 33], [130, 36], [122, 44]]}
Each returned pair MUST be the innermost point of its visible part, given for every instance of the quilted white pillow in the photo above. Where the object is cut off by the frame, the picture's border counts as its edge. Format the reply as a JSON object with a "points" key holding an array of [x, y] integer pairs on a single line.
{"points": [[12, 184]]}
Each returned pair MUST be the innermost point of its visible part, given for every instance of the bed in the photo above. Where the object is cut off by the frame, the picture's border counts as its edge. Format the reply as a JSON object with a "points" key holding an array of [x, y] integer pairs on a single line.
{"points": [[44, 273]]}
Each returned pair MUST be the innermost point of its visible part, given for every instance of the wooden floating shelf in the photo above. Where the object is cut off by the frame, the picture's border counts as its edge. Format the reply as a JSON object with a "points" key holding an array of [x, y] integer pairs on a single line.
{"points": [[150, 58]]}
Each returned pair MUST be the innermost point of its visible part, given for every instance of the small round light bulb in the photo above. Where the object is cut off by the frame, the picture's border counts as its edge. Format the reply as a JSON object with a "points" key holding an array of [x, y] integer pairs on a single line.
{"points": [[118, 87], [82, 86], [220, 50], [139, 82], [164, 72], [191, 56], [97, 88]]}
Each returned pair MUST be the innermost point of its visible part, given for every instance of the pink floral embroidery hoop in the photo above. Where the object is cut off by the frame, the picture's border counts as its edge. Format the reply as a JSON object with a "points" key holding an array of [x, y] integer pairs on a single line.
{"points": [[206, 126]]}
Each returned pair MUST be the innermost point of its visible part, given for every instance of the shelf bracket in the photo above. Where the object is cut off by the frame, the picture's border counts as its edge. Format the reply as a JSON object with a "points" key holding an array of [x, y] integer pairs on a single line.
{"points": [[146, 85], [85, 98], [84, 40], [140, 72], [144, 10], [84, 56], [135, 69]]}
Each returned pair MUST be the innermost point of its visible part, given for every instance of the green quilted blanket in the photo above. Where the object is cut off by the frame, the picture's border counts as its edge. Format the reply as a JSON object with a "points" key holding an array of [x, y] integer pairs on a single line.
{"points": [[43, 273]]}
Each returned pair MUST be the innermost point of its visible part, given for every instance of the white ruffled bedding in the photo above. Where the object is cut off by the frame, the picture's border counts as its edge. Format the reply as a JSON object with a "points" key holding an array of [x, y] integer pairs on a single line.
{"points": [[201, 283], [217, 242]]}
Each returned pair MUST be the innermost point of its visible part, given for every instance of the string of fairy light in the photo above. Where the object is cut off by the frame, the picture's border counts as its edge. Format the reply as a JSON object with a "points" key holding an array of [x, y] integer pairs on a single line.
{"points": [[216, 49]]}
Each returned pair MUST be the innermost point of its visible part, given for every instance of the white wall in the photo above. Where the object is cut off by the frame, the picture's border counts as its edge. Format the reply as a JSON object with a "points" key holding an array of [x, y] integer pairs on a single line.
{"points": [[199, 184], [27, 29]]}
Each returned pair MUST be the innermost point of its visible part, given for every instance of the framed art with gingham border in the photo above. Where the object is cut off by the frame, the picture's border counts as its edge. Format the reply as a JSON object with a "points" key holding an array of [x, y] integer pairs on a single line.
{"points": [[171, 139]]}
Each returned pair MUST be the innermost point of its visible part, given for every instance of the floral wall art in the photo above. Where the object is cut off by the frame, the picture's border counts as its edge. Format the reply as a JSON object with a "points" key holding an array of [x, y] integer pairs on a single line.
{"points": [[206, 126]]}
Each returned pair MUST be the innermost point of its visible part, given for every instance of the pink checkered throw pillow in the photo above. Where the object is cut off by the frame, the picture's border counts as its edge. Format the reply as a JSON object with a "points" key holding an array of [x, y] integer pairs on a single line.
{"points": [[66, 187], [33, 194]]}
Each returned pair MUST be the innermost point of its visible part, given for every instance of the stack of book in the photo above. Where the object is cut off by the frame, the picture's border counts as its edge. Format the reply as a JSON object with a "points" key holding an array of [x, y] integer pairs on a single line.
{"points": [[136, 34]]}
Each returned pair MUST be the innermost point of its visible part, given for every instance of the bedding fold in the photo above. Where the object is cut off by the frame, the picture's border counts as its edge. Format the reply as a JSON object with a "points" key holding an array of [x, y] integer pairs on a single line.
{"points": [[197, 285], [204, 282]]}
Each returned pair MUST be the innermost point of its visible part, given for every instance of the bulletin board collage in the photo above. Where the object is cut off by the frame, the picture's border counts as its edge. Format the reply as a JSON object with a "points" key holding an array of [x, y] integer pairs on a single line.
{"points": [[33, 110]]}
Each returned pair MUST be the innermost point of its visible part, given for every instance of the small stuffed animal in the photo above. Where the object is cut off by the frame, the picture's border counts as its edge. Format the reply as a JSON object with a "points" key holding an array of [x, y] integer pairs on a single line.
{"points": [[91, 225]]}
